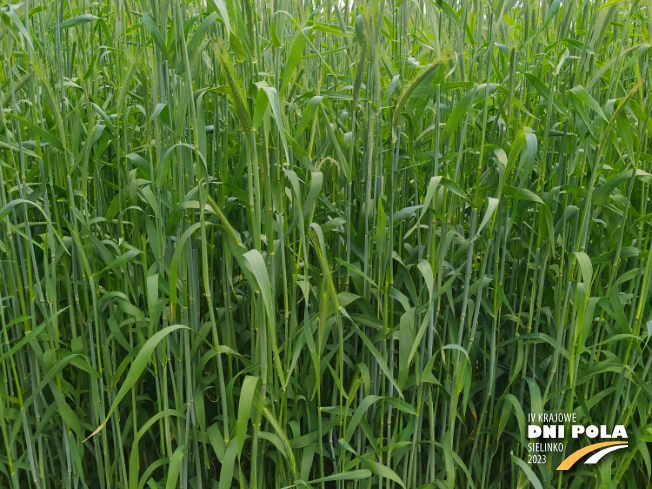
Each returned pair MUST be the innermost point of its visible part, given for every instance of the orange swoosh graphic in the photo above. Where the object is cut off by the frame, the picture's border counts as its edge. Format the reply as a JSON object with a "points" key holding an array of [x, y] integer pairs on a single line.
{"points": [[575, 456]]}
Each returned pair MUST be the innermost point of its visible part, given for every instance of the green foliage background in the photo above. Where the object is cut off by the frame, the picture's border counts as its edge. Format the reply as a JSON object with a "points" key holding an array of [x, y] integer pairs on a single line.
{"points": [[277, 244]]}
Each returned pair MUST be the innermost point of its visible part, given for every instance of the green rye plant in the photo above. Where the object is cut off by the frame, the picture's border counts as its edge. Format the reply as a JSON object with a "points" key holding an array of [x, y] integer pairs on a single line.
{"points": [[275, 244]]}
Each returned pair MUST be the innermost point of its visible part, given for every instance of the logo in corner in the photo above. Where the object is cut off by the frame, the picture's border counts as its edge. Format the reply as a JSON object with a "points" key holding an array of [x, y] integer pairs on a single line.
{"points": [[555, 439]]}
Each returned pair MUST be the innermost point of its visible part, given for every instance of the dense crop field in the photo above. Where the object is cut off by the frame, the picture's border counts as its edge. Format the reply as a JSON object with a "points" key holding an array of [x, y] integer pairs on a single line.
{"points": [[271, 244]]}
